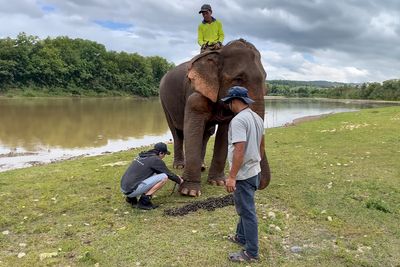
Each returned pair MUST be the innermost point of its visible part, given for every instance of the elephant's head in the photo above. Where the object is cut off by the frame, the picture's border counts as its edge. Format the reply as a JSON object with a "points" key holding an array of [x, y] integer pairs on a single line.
{"points": [[237, 63]]}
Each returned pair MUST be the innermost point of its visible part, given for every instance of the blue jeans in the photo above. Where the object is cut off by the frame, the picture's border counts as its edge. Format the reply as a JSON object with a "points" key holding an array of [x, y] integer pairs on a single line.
{"points": [[247, 227], [146, 185]]}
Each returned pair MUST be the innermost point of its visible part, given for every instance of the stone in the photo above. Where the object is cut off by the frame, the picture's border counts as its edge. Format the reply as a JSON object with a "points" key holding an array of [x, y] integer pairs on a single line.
{"points": [[296, 249], [272, 215], [21, 255], [43, 256]]}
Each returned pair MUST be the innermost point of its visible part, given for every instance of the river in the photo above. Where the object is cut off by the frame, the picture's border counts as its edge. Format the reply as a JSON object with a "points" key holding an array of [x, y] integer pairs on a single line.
{"points": [[43, 130]]}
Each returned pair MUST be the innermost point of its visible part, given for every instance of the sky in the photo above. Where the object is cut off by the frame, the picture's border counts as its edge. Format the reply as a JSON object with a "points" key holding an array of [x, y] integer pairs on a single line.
{"points": [[343, 41]]}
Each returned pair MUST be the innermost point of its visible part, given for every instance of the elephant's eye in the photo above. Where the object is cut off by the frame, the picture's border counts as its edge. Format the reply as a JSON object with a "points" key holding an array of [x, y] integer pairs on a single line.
{"points": [[238, 80]]}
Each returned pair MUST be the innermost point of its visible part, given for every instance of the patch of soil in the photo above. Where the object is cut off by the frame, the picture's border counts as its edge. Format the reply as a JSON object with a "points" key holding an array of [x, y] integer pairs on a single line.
{"points": [[309, 118], [17, 154], [305, 119], [209, 204]]}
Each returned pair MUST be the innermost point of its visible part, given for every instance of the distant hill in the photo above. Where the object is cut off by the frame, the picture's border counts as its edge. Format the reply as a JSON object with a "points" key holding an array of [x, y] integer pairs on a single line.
{"points": [[387, 90], [322, 84]]}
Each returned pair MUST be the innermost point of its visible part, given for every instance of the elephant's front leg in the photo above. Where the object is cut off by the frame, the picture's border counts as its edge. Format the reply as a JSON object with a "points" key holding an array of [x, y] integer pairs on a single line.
{"points": [[197, 112], [216, 175]]}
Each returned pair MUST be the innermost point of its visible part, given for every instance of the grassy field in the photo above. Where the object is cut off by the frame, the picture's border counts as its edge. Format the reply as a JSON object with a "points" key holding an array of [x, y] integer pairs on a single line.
{"points": [[334, 201]]}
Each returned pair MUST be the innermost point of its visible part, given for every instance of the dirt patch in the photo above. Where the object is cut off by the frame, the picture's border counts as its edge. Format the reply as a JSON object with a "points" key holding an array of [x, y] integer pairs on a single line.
{"points": [[209, 204], [309, 118], [305, 119], [17, 154]]}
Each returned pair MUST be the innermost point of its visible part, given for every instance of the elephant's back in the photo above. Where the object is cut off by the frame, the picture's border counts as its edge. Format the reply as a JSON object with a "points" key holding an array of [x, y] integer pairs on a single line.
{"points": [[173, 77], [173, 94]]}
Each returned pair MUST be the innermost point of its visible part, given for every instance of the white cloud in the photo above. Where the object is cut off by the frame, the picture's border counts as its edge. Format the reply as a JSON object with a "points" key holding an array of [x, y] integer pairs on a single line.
{"points": [[352, 41]]}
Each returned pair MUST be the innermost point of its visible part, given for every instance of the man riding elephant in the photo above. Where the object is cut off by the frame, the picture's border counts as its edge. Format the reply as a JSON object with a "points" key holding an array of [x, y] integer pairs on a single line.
{"points": [[210, 34], [190, 95]]}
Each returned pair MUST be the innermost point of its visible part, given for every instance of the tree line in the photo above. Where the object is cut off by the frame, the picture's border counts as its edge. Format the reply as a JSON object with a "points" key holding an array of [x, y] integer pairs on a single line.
{"points": [[387, 90], [65, 66]]}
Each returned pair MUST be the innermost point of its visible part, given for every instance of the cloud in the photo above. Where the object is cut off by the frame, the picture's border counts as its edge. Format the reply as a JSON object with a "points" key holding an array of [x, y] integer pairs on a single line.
{"points": [[348, 41]]}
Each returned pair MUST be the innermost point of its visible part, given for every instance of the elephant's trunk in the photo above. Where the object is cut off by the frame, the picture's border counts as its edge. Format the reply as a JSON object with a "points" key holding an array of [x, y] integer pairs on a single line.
{"points": [[259, 108]]}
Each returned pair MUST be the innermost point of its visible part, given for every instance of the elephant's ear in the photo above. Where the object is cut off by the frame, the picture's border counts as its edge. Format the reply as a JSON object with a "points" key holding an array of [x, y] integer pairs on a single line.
{"points": [[204, 74]]}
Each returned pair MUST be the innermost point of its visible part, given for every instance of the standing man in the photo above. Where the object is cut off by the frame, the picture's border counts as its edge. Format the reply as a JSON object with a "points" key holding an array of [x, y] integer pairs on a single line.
{"points": [[147, 174], [209, 33], [246, 131]]}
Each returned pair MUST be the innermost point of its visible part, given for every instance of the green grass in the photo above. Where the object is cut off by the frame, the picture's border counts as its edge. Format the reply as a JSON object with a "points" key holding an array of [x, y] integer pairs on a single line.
{"points": [[345, 167]]}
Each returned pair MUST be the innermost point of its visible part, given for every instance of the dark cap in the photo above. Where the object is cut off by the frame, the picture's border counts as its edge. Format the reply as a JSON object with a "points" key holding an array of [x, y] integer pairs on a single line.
{"points": [[205, 7], [238, 92], [162, 147]]}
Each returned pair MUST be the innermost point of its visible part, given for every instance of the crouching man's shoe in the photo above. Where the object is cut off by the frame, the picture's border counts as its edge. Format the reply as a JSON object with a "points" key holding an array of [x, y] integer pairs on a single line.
{"points": [[145, 203], [132, 200]]}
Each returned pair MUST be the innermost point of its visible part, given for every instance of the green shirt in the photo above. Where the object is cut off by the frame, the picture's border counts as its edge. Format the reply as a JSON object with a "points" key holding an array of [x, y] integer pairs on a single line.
{"points": [[210, 32]]}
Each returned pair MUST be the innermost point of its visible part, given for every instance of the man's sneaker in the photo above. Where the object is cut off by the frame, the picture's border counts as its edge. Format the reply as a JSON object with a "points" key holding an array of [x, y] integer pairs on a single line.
{"points": [[132, 200], [145, 203]]}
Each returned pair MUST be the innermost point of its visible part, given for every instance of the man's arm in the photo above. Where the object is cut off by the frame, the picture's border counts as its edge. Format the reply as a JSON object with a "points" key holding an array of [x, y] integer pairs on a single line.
{"points": [[200, 38], [237, 160], [221, 34], [160, 167], [262, 147]]}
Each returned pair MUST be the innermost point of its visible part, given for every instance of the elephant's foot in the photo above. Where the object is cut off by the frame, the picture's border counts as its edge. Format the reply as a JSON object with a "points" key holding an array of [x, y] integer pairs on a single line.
{"points": [[216, 183], [191, 189], [217, 180], [179, 164]]}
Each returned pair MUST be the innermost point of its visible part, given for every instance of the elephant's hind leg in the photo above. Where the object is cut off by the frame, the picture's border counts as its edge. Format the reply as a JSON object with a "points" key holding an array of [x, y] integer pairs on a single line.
{"points": [[216, 175], [179, 158], [207, 134], [177, 135]]}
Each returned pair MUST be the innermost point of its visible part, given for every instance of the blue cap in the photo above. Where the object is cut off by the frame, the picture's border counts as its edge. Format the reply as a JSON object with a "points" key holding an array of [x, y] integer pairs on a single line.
{"points": [[238, 92]]}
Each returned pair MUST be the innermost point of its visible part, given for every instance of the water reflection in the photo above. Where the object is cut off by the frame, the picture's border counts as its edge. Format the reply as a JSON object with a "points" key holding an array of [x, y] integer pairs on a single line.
{"points": [[71, 123]]}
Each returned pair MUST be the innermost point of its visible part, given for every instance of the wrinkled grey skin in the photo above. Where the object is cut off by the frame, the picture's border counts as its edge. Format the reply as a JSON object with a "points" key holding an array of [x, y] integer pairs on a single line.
{"points": [[190, 95]]}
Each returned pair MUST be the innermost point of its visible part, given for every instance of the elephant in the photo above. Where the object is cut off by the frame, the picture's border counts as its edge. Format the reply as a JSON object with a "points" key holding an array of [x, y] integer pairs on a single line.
{"points": [[190, 95]]}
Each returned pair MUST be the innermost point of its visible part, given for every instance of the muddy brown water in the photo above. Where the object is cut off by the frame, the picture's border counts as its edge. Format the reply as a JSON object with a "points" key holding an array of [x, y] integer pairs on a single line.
{"points": [[43, 130]]}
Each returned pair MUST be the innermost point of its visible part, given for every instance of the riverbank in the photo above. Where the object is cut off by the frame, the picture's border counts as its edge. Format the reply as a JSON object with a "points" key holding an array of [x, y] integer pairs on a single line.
{"points": [[333, 200]]}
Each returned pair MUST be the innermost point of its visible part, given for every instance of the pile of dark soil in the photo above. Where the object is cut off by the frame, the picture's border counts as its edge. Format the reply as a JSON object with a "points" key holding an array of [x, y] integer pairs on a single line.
{"points": [[209, 204]]}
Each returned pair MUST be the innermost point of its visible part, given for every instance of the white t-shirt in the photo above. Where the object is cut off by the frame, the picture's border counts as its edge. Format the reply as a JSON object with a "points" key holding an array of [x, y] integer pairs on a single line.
{"points": [[247, 127]]}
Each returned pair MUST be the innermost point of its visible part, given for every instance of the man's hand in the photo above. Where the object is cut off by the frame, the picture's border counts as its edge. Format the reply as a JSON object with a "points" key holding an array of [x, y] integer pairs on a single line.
{"points": [[237, 160], [230, 184]]}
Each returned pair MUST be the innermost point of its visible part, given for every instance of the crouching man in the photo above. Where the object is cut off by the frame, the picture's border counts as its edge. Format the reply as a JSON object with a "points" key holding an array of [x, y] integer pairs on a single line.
{"points": [[147, 174]]}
